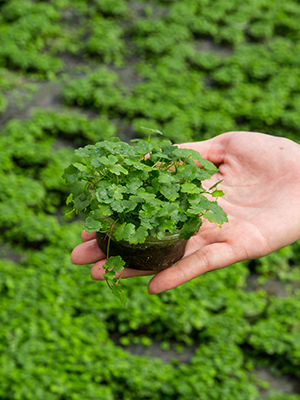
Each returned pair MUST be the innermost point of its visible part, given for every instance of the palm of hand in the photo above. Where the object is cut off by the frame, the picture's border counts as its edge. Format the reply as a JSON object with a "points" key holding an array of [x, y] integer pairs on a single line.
{"points": [[259, 175], [262, 187]]}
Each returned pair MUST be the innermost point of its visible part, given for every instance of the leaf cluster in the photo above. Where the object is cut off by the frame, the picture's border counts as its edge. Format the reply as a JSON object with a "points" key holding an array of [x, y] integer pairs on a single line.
{"points": [[200, 70], [32, 159], [231, 65], [141, 190], [146, 189]]}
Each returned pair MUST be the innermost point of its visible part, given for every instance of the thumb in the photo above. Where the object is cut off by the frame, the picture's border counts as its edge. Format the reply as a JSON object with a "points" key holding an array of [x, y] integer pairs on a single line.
{"points": [[212, 149], [208, 258]]}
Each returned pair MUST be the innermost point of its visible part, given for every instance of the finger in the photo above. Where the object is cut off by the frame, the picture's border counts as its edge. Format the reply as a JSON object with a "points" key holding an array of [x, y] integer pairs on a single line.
{"points": [[210, 257], [87, 253], [211, 149], [203, 147], [196, 242], [97, 272], [85, 236]]}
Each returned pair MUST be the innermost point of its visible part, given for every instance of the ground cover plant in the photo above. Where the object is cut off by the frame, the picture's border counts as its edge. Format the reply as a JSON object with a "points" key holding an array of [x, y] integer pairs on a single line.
{"points": [[192, 69], [142, 194]]}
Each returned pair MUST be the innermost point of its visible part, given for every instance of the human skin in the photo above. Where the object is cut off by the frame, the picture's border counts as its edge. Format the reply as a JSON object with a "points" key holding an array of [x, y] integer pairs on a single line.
{"points": [[261, 182]]}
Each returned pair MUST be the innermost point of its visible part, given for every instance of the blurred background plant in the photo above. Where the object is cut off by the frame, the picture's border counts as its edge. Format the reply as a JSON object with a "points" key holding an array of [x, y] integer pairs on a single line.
{"points": [[74, 72]]}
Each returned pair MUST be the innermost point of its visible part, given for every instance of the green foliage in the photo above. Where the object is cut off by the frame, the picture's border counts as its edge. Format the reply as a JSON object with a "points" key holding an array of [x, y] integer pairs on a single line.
{"points": [[192, 69], [282, 321], [113, 265], [158, 37], [11, 83], [143, 190], [99, 89], [280, 265], [106, 42], [146, 184], [112, 7], [26, 29]]}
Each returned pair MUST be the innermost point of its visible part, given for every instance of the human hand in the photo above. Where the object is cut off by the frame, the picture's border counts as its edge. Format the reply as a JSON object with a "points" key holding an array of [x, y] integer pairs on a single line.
{"points": [[261, 181]]}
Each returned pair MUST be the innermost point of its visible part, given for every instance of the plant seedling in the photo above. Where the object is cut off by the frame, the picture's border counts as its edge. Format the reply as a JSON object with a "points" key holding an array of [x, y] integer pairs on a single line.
{"points": [[142, 190]]}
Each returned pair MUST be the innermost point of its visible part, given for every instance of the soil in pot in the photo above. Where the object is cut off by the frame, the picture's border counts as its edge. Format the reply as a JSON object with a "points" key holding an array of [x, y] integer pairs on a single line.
{"points": [[152, 255]]}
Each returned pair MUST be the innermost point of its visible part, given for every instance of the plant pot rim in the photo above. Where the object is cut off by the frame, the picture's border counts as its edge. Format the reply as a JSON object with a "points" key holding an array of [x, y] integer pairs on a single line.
{"points": [[151, 255], [149, 239]]}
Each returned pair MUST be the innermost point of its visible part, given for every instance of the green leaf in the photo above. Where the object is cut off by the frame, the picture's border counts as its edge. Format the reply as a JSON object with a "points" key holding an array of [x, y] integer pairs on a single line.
{"points": [[134, 184], [71, 174], [146, 222], [84, 152], [81, 167], [115, 146], [141, 174], [116, 191], [137, 199], [109, 275], [139, 236], [137, 165], [118, 292], [187, 172], [196, 209], [211, 205], [105, 209], [148, 215], [195, 199], [215, 185], [190, 188], [168, 209], [113, 265], [142, 147], [217, 214], [124, 231], [148, 197], [70, 199], [209, 166], [158, 233], [167, 177], [82, 200], [150, 130], [123, 205], [191, 226], [166, 223], [102, 195], [186, 153], [96, 163], [165, 146], [217, 193], [109, 192], [110, 160], [117, 169], [170, 191], [216, 217], [202, 174], [92, 222]]}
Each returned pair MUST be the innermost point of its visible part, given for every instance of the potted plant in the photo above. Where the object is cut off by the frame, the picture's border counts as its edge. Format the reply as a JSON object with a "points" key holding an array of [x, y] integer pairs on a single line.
{"points": [[144, 200]]}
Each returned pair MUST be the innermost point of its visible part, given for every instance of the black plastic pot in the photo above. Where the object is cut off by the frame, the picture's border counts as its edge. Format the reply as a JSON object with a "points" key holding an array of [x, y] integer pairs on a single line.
{"points": [[152, 255]]}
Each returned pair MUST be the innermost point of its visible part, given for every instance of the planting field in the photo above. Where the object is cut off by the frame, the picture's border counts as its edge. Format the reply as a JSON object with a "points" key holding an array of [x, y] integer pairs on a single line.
{"points": [[73, 72]]}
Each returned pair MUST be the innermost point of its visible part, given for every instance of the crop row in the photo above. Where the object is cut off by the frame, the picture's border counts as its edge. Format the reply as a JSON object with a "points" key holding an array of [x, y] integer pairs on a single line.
{"points": [[192, 69], [183, 81], [57, 322]]}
